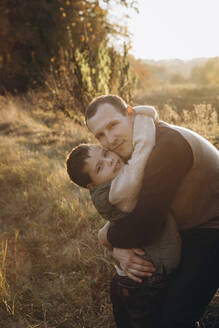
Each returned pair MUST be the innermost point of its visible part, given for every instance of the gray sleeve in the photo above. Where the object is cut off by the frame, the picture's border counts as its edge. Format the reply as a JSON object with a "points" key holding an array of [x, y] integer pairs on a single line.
{"points": [[100, 199]]}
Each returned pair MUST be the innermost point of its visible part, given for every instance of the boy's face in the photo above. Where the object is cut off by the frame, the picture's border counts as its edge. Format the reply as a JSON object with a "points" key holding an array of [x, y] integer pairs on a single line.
{"points": [[112, 129], [102, 165]]}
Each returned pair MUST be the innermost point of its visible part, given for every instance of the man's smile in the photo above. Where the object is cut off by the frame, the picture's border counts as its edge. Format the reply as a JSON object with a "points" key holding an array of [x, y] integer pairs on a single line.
{"points": [[119, 146]]}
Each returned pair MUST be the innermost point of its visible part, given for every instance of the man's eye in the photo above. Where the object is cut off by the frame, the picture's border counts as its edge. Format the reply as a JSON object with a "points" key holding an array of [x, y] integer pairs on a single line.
{"points": [[99, 136], [113, 124]]}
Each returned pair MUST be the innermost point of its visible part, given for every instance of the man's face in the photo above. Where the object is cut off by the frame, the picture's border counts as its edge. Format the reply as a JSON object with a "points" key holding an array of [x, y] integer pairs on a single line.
{"points": [[102, 165], [112, 129]]}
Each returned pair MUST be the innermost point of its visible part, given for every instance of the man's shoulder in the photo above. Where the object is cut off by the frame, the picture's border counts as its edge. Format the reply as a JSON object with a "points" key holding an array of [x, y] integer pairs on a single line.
{"points": [[171, 145], [187, 138], [167, 133]]}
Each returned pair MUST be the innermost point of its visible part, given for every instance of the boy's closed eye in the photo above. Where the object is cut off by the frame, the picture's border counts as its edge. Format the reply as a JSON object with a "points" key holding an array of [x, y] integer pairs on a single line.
{"points": [[100, 165], [99, 168]]}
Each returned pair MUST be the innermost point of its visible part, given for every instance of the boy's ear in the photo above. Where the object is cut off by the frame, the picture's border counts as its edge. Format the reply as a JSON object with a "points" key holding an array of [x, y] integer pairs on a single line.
{"points": [[90, 186]]}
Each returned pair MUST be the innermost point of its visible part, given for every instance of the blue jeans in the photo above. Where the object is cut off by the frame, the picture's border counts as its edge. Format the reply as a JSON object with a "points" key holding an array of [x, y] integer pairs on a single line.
{"points": [[137, 305]]}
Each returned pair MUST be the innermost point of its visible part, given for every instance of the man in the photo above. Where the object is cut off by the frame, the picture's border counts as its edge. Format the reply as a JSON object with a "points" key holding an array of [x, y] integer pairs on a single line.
{"points": [[182, 175]]}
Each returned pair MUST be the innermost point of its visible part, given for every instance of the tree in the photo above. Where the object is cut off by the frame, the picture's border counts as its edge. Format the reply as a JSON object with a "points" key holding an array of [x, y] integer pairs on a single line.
{"points": [[126, 80], [144, 77], [33, 34]]}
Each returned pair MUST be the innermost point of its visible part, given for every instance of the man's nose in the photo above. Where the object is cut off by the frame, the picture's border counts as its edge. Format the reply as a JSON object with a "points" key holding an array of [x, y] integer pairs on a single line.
{"points": [[110, 139]]}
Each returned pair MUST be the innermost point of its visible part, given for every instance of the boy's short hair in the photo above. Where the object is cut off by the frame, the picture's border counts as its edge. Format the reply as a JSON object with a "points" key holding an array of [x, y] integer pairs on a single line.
{"points": [[114, 100], [75, 163]]}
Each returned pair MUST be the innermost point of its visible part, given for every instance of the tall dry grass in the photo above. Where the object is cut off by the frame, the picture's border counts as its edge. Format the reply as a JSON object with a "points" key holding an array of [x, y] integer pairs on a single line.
{"points": [[53, 273], [203, 119]]}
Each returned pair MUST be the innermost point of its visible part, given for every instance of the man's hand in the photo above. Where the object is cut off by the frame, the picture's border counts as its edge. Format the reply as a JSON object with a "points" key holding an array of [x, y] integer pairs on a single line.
{"points": [[133, 265]]}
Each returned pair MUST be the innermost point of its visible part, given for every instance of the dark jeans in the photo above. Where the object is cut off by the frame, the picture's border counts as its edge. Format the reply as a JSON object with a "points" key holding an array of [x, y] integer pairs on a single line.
{"points": [[189, 292], [136, 305], [196, 281]]}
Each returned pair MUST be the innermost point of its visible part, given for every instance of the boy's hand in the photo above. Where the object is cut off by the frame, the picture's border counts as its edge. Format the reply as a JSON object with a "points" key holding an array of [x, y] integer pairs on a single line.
{"points": [[102, 236], [133, 265]]}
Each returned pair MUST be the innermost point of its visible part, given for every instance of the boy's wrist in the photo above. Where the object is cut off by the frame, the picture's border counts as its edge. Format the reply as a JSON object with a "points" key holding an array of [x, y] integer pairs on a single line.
{"points": [[102, 236]]}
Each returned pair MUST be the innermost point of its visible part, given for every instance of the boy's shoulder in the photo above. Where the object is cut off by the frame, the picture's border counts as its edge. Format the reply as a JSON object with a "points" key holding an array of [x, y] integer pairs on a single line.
{"points": [[100, 199], [101, 191]]}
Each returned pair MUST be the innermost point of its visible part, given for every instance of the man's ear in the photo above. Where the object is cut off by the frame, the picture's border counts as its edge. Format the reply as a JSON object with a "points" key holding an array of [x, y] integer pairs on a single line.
{"points": [[130, 110], [90, 186]]}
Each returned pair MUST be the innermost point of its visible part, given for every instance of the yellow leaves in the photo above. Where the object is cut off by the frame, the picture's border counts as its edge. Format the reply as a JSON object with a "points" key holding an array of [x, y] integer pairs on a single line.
{"points": [[82, 38], [89, 26], [63, 13]]}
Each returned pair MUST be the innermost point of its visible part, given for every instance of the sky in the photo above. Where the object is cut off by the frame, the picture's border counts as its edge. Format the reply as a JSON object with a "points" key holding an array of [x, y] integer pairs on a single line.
{"points": [[183, 29]]}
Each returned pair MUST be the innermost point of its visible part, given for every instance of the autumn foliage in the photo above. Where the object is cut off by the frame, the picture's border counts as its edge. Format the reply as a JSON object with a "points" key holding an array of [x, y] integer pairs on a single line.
{"points": [[66, 44]]}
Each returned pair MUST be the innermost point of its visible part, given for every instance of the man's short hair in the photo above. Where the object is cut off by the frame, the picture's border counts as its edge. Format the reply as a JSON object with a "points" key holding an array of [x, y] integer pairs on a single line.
{"points": [[114, 100], [75, 164]]}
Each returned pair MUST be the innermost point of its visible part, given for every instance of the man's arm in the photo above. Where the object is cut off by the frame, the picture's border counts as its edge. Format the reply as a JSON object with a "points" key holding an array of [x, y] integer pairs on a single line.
{"points": [[129, 259], [169, 161]]}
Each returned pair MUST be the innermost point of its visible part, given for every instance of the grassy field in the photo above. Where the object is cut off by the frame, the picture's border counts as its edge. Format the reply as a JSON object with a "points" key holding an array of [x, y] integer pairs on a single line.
{"points": [[53, 273]]}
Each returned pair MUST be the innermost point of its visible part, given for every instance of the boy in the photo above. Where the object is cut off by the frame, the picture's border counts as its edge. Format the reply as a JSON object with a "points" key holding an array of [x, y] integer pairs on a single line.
{"points": [[114, 188]]}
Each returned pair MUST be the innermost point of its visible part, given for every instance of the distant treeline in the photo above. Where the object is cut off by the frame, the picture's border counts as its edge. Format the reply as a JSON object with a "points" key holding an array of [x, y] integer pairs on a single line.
{"points": [[200, 72]]}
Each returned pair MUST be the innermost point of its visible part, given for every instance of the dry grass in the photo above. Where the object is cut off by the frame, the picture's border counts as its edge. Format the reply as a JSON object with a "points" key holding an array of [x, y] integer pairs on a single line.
{"points": [[52, 271], [53, 274], [203, 119]]}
